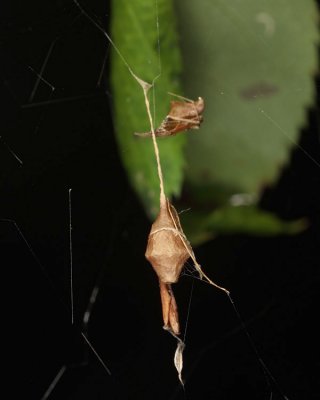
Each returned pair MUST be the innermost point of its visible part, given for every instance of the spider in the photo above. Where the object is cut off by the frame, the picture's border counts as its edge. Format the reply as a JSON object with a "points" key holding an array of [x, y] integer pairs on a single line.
{"points": [[183, 115]]}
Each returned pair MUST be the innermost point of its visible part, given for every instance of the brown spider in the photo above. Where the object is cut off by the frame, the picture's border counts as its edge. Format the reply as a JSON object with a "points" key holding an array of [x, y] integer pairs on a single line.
{"points": [[183, 115]]}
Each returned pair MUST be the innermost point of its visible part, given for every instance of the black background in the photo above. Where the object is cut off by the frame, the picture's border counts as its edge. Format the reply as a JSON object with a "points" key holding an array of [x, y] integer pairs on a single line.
{"points": [[65, 139]]}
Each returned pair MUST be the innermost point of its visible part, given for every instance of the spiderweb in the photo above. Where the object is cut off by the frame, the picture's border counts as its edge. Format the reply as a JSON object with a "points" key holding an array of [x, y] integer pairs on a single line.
{"points": [[57, 136]]}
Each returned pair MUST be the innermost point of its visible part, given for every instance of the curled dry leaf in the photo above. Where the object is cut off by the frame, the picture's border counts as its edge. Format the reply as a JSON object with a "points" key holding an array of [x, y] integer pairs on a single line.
{"points": [[183, 115], [167, 251]]}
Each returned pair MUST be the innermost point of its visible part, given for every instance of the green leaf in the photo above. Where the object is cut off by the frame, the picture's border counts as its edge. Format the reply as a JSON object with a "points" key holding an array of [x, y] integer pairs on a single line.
{"points": [[254, 64], [200, 226], [134, 32]]}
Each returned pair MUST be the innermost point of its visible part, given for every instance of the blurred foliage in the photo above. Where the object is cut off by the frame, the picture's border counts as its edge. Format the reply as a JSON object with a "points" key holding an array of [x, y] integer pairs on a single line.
{"points": [[250, 220], [254, 64]]}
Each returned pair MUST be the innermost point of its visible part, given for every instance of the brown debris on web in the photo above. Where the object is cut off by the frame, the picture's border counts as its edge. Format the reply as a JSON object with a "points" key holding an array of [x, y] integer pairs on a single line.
{"points": [[168, 248]]}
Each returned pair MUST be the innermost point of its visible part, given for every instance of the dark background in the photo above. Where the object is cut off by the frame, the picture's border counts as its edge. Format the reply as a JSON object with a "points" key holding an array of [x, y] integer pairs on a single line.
{"points": [[64, 137]]}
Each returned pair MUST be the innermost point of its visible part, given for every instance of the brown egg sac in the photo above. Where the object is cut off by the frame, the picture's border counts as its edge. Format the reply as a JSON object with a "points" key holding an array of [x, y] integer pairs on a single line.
{"points": [[167, 251], [183, 115]]}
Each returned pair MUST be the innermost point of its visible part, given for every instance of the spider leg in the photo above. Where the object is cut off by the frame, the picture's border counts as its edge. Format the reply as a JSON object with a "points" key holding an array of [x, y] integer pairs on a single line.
{"points": [[181, 97]]}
